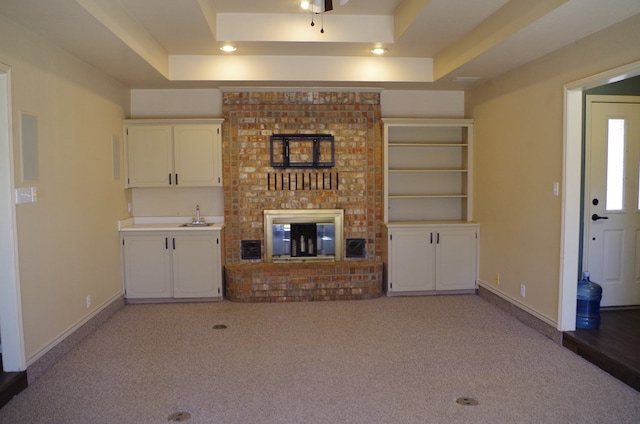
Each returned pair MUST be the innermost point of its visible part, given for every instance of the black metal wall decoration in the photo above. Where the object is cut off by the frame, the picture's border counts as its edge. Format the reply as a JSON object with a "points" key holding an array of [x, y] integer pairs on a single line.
{"points": [[303, 180], [302, 151]]}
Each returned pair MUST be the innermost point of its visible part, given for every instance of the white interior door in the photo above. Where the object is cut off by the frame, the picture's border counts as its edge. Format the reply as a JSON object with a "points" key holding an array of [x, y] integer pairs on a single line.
{"points": [[612, 209]]}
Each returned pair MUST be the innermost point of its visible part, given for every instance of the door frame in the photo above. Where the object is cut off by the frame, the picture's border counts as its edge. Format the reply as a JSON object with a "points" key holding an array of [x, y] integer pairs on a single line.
{"points": [[11, 327], [572, 187]]}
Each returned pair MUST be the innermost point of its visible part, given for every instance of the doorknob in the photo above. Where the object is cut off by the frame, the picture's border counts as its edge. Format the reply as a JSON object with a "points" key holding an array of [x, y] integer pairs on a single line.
{"points": [[596, 217]]}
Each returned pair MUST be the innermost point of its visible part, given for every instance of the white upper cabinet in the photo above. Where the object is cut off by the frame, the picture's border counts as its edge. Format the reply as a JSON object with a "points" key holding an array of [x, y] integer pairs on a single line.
{"points": [[428, 169], [149, 155], [174, 153]]}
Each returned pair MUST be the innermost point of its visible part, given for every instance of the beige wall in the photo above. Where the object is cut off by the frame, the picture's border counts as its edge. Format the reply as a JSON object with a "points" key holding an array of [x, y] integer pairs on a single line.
{"points": [[68, 241], [518, 157], [175, 202]]}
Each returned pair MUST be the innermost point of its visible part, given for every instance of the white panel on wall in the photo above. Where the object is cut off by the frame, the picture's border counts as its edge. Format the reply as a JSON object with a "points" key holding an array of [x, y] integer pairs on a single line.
{"points": [[115, 156], [29, 139], [206, 103], [175, 103], [432, 104]]}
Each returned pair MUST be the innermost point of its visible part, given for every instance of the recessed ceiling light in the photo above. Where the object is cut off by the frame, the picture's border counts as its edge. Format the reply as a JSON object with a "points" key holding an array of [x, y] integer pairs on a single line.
{"points": [[228, 48], [305, 5], [379, 50]]}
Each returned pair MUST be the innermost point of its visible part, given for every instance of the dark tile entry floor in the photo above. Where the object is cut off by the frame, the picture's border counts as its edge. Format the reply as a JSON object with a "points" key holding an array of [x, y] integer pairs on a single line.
{"points": [[614, 347], [11, 383]]}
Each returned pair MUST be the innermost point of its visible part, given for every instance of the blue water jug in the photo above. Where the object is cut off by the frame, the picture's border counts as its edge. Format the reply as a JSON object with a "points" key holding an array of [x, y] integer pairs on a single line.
{"points": [[589, 296]]}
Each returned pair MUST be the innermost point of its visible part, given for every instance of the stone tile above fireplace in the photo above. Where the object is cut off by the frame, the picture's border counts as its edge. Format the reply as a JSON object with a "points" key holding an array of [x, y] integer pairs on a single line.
{"points": [[352, 186], [251, 185]]}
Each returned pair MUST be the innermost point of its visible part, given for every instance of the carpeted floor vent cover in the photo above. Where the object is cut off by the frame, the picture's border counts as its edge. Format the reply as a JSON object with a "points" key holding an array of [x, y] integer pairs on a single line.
{"points": [[180, 417], [219, 327], [466, 401]]}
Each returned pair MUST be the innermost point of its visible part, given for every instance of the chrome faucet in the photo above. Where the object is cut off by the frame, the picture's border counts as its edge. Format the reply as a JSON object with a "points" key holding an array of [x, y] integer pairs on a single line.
{"points": [[197, 220]]}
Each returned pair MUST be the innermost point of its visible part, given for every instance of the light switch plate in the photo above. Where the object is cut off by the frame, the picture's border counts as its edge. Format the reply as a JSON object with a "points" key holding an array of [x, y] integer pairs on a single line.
{"points": [[26, 195]]}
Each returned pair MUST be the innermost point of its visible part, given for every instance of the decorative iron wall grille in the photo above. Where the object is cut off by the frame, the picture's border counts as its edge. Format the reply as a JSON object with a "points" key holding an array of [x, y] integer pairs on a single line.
{"points": [[302, 151]]}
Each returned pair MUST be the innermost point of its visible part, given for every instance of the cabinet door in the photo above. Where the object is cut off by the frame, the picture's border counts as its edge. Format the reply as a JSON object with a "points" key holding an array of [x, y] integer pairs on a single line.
{"points": [[147, 266], [149, 156], [197, 155], [196, 266], [456, 259], [411, 262]]}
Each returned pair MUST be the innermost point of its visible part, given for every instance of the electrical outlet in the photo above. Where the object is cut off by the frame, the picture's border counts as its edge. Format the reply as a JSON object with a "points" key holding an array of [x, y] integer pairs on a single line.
{"points": [[496, 279], [88, 301], [523, 290]]}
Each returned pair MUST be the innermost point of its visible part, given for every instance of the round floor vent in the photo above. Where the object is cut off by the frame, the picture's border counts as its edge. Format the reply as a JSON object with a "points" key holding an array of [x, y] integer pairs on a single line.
{"points": [[466, 401], [180, 417]]}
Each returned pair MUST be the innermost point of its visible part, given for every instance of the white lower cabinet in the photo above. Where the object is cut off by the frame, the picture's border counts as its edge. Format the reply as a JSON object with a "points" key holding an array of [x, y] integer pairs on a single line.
{"points": [[425, 258], [172, 265], [196, 266]]}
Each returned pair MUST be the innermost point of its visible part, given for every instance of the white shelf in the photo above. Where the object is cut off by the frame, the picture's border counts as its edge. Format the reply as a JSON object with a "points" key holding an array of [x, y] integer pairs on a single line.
{"points": [[428, 169]]}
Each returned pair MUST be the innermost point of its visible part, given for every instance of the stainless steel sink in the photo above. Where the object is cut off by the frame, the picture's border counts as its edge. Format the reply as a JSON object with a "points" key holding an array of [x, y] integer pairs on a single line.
{"points": [[197, 224]]}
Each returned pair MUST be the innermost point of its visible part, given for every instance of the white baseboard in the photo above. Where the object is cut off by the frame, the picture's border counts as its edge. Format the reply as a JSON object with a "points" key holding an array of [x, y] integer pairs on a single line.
{"points": [[518, 304], [116, 297]]}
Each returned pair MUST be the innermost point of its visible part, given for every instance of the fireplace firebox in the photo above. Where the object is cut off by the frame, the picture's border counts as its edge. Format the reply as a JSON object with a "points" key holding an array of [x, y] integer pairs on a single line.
{"points": [[303, 235]]}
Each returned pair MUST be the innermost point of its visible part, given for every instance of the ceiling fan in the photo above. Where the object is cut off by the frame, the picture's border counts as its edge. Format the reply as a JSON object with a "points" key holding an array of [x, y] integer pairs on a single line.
{"points": [[321, 6]]}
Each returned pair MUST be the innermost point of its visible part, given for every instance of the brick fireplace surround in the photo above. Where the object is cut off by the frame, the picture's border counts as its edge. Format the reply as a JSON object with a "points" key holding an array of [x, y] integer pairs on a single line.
{"points": [[354, 184]]}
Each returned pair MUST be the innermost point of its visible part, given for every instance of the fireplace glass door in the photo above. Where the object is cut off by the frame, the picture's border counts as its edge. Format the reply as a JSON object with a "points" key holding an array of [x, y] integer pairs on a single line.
{"points": [[303, 240]]}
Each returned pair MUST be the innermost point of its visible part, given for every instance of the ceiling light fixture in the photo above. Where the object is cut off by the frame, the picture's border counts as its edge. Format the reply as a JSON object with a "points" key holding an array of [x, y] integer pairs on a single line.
{"points": [[318, 7], [379, 50], [228, 48]]}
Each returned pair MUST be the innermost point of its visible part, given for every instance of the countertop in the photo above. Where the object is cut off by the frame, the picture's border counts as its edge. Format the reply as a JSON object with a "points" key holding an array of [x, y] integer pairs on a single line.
{"points": [[168, 224]]}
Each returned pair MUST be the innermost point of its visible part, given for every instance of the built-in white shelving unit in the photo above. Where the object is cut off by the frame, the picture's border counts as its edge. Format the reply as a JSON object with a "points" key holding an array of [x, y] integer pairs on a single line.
{"points": [[428, 169], [431, 245]]}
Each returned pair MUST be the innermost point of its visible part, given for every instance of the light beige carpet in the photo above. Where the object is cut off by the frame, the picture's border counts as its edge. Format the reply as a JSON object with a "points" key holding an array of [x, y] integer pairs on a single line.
{"points": [[388, 360]]}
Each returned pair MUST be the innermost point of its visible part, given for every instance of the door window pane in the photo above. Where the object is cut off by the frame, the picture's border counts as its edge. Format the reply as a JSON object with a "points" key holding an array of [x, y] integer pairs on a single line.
{"points": [[615, 165]]}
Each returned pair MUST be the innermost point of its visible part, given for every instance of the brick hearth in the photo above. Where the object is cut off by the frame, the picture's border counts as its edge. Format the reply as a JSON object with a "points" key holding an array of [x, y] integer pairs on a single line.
{"points": [[354, 184], [279, 282]]}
